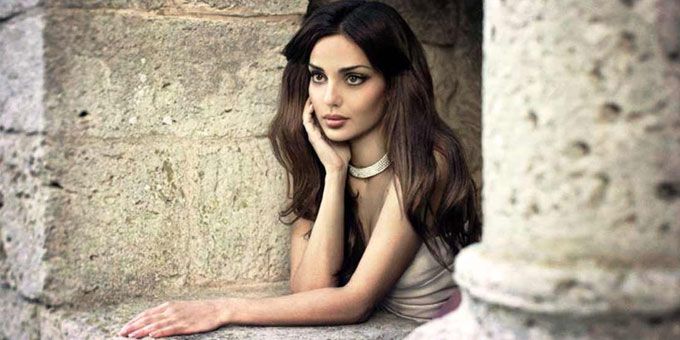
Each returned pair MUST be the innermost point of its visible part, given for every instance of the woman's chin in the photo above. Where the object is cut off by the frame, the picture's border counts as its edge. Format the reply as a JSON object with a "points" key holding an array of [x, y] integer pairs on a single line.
{"points": [[336, 136]]}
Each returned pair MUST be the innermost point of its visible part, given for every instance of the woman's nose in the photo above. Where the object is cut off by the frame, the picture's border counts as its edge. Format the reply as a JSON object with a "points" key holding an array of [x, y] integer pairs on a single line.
{"points": [[331, 97]]}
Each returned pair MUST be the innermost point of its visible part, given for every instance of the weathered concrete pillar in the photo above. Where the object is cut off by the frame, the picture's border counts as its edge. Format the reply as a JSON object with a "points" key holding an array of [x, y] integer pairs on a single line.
{"points": [[581, 147]]}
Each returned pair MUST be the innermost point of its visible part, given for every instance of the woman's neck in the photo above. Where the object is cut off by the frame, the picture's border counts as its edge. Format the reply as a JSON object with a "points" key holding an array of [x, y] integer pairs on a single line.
{"points": [[367, 149]]}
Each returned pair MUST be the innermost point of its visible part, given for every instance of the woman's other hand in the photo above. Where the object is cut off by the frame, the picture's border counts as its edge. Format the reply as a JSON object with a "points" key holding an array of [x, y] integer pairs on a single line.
{"points": [[333, 155], [176, 317]]}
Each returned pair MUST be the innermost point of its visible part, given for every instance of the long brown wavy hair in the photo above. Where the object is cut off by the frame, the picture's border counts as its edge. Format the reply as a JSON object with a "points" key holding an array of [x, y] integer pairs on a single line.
{"points": [[413, 128]]}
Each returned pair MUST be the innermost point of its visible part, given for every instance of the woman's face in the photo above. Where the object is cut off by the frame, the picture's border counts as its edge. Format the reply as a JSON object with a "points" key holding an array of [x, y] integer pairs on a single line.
{"points": [[344, 83]]}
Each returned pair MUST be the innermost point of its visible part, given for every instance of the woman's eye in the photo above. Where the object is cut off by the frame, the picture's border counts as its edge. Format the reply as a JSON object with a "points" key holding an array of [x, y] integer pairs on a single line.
{"points": [[355, 79], [317, 77]]}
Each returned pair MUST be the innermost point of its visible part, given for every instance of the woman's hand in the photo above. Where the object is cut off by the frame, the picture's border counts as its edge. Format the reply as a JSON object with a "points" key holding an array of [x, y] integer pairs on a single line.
{"points": [[176, 317], [333, 155]]}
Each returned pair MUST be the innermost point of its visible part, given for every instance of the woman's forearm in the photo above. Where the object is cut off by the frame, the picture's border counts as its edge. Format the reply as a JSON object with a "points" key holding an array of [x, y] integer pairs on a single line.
{"points": [[325, 306], [323, 254]]}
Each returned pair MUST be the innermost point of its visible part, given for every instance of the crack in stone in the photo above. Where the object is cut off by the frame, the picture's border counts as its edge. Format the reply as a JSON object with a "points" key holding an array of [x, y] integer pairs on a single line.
{"points": [[13, 131]]}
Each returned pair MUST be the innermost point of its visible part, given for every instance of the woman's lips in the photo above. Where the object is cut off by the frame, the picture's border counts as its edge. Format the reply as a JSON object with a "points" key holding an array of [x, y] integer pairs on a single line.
{"points": [[334, 122]]}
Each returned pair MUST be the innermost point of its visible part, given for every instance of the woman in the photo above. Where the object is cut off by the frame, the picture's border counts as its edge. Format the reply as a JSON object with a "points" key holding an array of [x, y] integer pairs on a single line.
{"points": [[380, 196]]}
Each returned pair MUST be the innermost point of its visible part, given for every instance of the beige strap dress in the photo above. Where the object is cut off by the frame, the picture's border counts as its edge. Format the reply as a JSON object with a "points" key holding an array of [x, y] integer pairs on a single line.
{"points": [[423, 289]]}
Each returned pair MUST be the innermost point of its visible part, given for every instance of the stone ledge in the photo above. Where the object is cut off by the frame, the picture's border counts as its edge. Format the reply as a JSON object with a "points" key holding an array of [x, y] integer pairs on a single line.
{"points": [[104, 322]]}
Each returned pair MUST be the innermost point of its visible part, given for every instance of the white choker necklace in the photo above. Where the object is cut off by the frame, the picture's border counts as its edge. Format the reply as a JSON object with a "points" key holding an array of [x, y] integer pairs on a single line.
{"points": [[370, 170]]}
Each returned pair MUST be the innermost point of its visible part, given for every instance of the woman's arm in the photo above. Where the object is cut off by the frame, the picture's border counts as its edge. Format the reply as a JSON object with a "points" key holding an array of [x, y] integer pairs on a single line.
{"points": [[313, 262], [325, 306], [323, 252], [389, 252]]}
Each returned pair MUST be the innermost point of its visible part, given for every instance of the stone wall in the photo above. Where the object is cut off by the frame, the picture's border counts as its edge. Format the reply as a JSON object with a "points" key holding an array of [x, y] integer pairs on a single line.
{"points": [[133, 154], [134, 151]]}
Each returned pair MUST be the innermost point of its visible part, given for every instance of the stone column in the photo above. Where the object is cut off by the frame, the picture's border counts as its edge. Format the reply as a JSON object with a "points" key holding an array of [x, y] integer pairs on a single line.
{"points": [[581, 148]]}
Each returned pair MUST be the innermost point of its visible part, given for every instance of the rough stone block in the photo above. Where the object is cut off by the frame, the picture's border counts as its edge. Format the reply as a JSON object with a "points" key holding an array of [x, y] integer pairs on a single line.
{"points": [[24, 187], [104, 322], [88, 221], [250, 7], [219, 7], [17, 316], [21, 70], [115, 75], [580, 134], [9, 8], [237, 236], [113, 4]]}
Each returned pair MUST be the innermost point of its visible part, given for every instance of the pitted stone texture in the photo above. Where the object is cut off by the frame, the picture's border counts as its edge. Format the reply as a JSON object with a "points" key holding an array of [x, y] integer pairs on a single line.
{"points": [[24, 185], [113, 219], [120, 219], [113, 4], [17, 316], [250, 7], [22, 71], [145, 216], [475, 319], [580, 134], [584, 289], [127, 75], [220, 7], [237, 235], [9, 8], [581, 156], [4, 265]]}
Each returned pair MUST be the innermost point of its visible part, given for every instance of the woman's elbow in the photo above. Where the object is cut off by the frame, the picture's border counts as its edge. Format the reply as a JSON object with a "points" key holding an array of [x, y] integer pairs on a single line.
{"points": [[364, 314], [362, 306]]}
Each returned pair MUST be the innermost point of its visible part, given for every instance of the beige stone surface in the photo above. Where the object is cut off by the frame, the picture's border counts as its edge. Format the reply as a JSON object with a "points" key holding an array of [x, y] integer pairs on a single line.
{"points": [[475, 319], [25, 191], [21, 69], [581, 203], [9, 8], [122, 75], [161, 154], [18, 317], [34, 321], [217, 7], [581, 134], [145, 217], [134, 159]]}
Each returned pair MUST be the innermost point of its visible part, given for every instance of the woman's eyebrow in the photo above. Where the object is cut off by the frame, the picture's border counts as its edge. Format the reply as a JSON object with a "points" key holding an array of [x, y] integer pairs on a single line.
{"points": [[342, 70]]}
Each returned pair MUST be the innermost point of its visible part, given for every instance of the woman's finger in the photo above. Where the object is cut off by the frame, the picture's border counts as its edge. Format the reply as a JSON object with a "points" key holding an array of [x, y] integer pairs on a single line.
{"points": [[158, 309], [167, 331], [144, 331], [307, 115], [308, 122], [134, 326]]}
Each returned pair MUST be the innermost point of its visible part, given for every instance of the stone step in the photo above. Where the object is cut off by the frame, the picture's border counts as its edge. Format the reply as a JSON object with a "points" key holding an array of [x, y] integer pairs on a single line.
{"points": [[103, 322]]}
